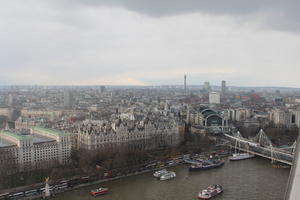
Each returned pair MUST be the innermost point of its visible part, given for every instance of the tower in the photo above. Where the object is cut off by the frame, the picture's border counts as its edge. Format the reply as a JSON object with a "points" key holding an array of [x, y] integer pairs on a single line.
{"points": [[68, 99], [47, 188], [223, 89], [185, 84], [206, 86]]}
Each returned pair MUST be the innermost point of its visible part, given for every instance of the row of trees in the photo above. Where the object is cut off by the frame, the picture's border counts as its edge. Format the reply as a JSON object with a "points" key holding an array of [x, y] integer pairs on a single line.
{"points": [[93, 162]]}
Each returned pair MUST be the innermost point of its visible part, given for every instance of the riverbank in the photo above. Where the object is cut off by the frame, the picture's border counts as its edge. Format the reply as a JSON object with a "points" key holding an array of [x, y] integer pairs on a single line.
{"points": [[99, 181], [74, 185]]}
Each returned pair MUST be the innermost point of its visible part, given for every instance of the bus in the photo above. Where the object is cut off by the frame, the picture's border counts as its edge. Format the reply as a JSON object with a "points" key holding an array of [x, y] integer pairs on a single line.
{"points": [[4, 196], [16, 195]]}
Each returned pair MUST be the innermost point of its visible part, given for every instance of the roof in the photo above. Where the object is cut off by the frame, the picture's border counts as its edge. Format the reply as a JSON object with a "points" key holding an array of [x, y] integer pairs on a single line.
{"points": [[15, 135], [51, 131], [5, 143], [207, 112], [42, 139]]}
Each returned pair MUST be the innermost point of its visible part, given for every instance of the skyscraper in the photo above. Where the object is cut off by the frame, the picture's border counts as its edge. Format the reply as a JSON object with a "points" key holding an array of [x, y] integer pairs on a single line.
{"points": [[102, 89], [206, 87], [223, 90], [68, 99]]}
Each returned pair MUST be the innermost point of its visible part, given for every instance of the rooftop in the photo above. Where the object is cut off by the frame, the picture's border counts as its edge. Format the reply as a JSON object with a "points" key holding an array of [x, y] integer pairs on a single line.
{"points": [[5, 143], [51, 131], [15, 135], [41, 139]]}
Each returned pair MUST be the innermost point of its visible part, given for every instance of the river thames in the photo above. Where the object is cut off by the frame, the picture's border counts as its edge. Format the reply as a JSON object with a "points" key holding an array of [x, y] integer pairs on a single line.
{"points": [[242, 180]]}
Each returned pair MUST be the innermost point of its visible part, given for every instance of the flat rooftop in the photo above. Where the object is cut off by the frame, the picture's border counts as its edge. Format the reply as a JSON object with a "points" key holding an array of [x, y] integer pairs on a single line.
{"points": [[41, 139], [15, 135], [5, 143], [51, 131]]}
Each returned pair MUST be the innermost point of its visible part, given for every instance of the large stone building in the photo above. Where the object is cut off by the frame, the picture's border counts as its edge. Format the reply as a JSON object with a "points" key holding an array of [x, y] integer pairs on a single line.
{"points": [[133, 134], [43, 148]]}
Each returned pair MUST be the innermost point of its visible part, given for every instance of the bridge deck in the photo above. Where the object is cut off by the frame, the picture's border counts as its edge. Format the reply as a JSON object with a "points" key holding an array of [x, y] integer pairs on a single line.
{"points": [[263, 155], [266, 152]]}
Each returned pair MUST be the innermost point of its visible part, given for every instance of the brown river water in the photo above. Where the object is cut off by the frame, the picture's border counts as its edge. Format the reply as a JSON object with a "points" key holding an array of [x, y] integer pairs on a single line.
{"points": [[247, 179]]}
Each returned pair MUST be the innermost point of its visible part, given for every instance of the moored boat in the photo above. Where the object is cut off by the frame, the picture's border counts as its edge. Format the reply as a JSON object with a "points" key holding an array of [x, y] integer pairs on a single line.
{"points": [[210, 192], [99, 191], [159, 173], [168, 176], [209, 164], [240, 156]]}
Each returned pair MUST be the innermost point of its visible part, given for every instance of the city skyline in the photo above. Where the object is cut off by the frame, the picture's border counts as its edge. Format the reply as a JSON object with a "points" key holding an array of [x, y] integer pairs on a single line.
{"points": [[125, 43]]}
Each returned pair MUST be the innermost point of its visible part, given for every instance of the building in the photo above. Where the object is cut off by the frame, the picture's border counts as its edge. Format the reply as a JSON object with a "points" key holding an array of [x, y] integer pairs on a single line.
{"points": [[242, 114], [25, 123], [8, 112], [130, 134], [102, 89], [41, 113], [10, 100], [214, 98], [281, 117], [185, 92], [43, 148], [207, 118], [68, 99], [206, 87], [296, 115], [223, 87]]}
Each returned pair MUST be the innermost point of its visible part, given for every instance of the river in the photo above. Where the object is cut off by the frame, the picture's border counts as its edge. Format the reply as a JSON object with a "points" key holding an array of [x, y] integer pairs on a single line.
{"points": [[242, 180]]}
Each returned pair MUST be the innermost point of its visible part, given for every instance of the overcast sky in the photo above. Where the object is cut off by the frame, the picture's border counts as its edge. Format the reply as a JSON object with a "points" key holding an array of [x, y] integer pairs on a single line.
{"points": [[142, 42]]}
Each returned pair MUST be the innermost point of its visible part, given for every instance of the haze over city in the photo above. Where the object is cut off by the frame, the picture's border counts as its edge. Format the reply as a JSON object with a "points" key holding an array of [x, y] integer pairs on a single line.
{"points": [[149, 99], [253, 43]]}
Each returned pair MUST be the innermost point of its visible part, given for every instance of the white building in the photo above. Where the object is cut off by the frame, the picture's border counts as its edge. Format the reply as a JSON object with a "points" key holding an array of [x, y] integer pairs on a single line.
{"points": [[214, 98], [43, 148], [280, 117]]}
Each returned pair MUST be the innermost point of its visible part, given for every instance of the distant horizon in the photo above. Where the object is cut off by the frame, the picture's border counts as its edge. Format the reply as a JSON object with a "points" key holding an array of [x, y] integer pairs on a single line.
{"points": [[177, 85]]}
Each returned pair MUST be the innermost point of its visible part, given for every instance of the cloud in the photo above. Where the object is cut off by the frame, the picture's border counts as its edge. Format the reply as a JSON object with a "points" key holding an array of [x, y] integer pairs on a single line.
{"points": [[127, 42], [274, 14]]}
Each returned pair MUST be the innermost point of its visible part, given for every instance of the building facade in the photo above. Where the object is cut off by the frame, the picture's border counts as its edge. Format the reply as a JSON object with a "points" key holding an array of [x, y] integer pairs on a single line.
{"points": [[214, 98], [43, 148], [132, 134]]}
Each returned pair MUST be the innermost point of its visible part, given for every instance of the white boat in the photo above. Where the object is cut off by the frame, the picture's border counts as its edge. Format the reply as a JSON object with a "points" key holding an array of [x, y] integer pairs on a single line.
{"points": [[168, 176], [210, 192], [240, 156], [159, 173]]}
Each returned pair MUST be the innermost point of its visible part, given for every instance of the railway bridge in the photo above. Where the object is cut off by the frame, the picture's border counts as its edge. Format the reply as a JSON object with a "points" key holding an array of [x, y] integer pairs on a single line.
{"points": [[261, 145]]}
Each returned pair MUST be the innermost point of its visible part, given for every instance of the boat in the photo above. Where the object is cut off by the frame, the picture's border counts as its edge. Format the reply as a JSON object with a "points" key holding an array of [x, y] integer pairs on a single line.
{"points": [[240, 156], [281, 166], [159, 173], [208, 164], [99, 191], [168, 176], [210, 192]]}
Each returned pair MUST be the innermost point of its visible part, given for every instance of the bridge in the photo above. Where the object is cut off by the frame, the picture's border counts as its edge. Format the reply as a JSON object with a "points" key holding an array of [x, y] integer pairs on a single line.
{"points": [[261, 145]]}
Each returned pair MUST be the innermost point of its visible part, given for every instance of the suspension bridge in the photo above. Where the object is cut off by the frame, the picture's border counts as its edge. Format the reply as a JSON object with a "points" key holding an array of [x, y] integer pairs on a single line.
{"points": [[261, 145]]}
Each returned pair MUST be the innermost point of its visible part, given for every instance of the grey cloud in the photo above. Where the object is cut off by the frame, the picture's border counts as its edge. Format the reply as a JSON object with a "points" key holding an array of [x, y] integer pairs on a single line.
{"points": [[275, 14]]}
